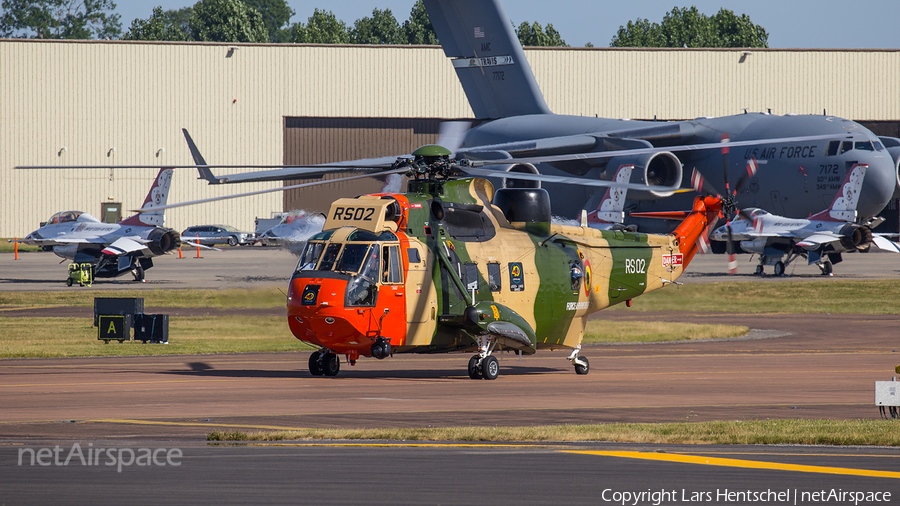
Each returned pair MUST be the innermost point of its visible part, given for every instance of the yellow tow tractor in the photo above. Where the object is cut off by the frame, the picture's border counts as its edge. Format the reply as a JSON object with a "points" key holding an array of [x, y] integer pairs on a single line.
{"points": [[81, 273]]}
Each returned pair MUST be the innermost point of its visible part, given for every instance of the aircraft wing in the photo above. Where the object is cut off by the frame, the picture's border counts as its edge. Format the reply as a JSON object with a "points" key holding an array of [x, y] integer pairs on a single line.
{"points": [[123, 246], [886, 244], [817, 240]]}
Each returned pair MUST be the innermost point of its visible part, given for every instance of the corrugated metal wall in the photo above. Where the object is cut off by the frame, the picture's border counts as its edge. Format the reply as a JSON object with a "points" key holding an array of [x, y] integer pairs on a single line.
{"points": [[113, 102]]}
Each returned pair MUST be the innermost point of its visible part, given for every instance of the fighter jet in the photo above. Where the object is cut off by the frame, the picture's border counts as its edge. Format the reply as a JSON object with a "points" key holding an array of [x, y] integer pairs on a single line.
{"points": [[820, 239], [113, 249]]}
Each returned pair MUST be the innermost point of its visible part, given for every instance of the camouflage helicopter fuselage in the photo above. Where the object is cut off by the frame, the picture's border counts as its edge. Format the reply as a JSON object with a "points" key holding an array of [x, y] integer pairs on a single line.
{"points": [[442, 269]]}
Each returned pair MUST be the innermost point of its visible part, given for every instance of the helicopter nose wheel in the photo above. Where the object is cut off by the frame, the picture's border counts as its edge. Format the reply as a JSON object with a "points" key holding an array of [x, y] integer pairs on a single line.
{"points": [[484, 365], [324, 362], [315, 363]]}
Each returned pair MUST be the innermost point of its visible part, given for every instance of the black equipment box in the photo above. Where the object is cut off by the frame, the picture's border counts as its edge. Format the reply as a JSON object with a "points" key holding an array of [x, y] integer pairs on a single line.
{"points": [[114, 328], [117, 306], [151, 327]]}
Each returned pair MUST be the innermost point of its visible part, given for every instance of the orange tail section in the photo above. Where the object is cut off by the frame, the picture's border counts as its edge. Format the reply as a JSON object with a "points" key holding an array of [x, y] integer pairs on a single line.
{"points": [[693, 229]]}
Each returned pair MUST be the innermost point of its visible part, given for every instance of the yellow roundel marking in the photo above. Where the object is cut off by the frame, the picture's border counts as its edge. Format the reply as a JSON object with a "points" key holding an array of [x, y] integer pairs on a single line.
{"points": [[515, 271], [309, 296], [496, 313]]}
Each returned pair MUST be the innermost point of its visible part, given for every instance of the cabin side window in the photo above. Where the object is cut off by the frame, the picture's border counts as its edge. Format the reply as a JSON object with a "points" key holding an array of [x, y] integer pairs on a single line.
{"points": [[494, 278]]}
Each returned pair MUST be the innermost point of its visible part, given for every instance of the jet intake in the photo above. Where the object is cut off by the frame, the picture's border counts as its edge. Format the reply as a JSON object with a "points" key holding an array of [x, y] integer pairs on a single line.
{"points": [[855, 237], [163, 240], [658, 169]]}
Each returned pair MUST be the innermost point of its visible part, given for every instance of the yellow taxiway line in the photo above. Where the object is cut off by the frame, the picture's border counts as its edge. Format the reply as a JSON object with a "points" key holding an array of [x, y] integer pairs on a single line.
{"points": [[747, 464]]}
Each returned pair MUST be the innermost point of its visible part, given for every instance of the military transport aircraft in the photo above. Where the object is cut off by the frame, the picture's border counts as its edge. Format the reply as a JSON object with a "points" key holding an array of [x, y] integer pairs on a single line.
{"points": [[802, 158], [113, 248], [820, 239]]}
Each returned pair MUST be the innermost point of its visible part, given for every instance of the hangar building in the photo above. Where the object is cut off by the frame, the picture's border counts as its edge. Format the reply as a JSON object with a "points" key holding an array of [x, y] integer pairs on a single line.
{"points": [[117, 102]]}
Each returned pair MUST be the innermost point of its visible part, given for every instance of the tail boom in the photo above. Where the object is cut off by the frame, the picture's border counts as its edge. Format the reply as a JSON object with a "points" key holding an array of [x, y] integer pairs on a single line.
{"points": [[689, 235]]}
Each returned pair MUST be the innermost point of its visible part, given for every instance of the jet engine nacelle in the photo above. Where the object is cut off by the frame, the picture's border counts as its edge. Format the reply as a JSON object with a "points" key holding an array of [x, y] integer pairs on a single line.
{"points": [[66, 250], [756, 246], [526, 168], [163, 240], [658, 169], [855, 237]]}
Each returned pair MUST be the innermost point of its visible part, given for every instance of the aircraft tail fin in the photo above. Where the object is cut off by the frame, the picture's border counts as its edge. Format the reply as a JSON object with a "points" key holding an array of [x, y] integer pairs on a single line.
{"points": [[612, 206], [843, 208], [205, 173], [480, 41], [158, 195]]}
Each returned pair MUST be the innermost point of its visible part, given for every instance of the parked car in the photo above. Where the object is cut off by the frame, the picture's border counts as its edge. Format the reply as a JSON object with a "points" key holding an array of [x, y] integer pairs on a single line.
{"points": [[210, 235]]}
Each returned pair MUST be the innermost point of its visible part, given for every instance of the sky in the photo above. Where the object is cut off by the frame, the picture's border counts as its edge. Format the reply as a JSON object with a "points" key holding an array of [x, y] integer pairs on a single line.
{"points": [[843, 24]]}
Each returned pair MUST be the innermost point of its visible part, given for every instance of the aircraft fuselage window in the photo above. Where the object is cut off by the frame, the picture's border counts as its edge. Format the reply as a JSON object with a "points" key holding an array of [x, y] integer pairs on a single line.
{"points": [[846, 146], [864, 146], [471, 277], [412, 255], [878, 146], [494, 278], [833, 148]]}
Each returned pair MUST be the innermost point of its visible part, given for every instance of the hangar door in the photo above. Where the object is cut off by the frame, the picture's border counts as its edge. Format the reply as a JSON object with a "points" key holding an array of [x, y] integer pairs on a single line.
{"points": [[309, 140]]}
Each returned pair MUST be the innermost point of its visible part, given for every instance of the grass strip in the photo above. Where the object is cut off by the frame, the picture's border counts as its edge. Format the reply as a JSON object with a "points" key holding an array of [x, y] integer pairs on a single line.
{"points": [[257, 298], [784, 296], [600, 331], [75, 337], [807, 432]]}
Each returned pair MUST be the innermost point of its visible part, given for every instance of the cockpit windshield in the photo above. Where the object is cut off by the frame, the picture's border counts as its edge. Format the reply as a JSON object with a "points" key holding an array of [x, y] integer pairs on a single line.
{"points": [[64, 217]]}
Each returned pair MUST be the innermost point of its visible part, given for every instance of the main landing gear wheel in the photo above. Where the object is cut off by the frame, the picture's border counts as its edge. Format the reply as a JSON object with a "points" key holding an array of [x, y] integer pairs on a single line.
{"points": [[315, 364], [138, 273], [582, 366], [827, 268], [331, 364], [760, 270], [474, 368], [490, 368], [779, 268]]}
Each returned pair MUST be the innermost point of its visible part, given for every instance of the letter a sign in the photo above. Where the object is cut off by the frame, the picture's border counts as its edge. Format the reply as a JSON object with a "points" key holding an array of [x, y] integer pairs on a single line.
{"points": [[112, 327]]}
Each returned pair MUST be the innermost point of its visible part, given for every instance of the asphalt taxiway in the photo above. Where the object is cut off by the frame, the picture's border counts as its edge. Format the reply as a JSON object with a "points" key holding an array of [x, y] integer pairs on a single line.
{"points": [[791, 366]]}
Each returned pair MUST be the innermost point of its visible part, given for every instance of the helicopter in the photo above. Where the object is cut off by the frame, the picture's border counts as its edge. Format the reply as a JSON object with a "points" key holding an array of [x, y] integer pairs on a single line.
{"points": [[454, 265]]}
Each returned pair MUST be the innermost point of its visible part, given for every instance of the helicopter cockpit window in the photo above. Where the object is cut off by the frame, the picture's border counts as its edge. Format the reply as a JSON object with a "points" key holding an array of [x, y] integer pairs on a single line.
{"points": [[391, 270], [361, 289], [310, 256], [331, 253], [365, 235], [352, 258], [471, 277]]}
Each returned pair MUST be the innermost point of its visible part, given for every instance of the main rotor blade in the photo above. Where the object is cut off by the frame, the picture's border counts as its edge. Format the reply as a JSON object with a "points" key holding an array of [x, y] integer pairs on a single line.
{"points": [[270, 190], [642, 151], [752, 168], [725, 140], [576, 180]]}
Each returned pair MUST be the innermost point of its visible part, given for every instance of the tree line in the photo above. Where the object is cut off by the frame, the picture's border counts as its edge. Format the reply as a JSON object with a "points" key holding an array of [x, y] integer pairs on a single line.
{"points": [[268, 21]]}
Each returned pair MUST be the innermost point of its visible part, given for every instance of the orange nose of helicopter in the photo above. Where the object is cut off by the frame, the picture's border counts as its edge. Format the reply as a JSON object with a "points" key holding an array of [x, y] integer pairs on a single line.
{"points": [[318, 313]]}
